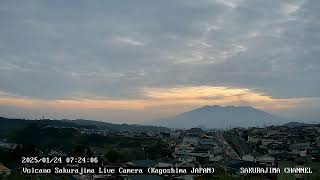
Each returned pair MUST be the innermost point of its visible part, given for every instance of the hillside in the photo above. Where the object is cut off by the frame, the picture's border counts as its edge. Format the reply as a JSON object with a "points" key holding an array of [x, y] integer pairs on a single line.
{"points": [[9, 126], [106, 125]]}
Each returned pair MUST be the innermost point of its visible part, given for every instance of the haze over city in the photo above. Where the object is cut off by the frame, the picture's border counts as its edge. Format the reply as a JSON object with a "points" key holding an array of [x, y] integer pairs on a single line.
{"points": [[136, 61]]}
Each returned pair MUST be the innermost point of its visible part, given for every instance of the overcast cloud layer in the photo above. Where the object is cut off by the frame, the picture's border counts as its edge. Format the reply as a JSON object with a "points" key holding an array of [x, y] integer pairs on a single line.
{"points": [[115, 50]]}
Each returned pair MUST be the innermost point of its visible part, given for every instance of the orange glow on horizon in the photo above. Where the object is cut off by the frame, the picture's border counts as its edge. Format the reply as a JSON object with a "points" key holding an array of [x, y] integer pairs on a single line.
{"points": [[161, 97]]}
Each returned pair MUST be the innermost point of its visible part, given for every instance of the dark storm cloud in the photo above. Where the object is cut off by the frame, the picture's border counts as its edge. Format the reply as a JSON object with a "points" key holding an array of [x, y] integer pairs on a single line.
{"points": [[113, 49]]}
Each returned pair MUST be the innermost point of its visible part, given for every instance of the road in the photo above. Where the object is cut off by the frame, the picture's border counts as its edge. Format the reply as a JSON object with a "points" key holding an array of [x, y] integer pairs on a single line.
{"points": [[226, 146]]}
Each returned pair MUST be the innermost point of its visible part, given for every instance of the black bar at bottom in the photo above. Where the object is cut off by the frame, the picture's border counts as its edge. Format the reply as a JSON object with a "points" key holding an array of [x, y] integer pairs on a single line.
{"points": [[64, 170]]}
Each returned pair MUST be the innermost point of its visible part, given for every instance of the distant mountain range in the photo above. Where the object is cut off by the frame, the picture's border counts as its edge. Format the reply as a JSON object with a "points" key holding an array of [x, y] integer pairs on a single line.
{"points": [[12, 125], [209, 117], [299, 124], [111, 126], [221, 117]]}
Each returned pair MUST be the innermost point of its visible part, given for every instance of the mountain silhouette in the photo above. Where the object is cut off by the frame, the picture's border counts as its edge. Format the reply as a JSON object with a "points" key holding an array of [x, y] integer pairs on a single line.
{"points": [[221, 117]]}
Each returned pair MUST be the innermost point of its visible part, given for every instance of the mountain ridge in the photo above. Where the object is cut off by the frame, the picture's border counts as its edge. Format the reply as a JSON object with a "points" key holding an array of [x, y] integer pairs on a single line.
{"points": [[16, 124], [221, 117]]}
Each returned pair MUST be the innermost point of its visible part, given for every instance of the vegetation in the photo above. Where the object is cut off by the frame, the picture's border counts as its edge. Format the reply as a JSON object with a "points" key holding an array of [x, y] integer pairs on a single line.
{"points": [[69, 140]]}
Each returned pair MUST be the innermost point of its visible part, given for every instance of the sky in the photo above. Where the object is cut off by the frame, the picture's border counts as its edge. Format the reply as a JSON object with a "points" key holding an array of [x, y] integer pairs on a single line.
{"points": [[135, 61]]}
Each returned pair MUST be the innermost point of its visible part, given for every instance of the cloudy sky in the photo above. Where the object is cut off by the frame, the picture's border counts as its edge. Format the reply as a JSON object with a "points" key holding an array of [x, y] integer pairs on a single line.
{"points": [[133, 61]]}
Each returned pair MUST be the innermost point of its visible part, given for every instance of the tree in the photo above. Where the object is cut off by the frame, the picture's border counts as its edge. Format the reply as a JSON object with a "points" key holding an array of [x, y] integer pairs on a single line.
{"points": [[82, 151], [113, 156]]}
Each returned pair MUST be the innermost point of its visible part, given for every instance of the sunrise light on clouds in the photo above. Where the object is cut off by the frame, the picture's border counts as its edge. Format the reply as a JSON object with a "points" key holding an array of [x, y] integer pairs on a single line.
{"points": [[160, 97], [156, 59]]}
